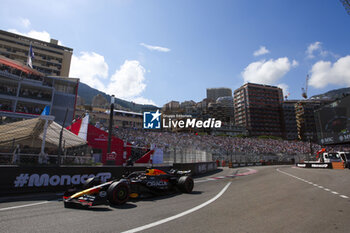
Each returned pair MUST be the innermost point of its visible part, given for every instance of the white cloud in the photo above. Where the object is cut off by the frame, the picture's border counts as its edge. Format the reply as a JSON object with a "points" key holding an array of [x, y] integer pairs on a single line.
{"points": [[155, 48], [268, 72], [90, 67], [129, 81], [295, 63], [261, 51], [316, 46], [324, 73], [44, 35], [316, 49], [25, 22]]}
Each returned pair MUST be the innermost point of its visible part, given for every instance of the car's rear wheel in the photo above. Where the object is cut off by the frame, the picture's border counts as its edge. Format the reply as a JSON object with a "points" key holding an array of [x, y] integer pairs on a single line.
{"points": [[185, 184], [118, 193]]}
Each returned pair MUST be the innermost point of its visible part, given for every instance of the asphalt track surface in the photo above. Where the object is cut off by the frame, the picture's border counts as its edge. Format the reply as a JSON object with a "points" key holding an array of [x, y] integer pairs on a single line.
{"points": [[274, 199]]}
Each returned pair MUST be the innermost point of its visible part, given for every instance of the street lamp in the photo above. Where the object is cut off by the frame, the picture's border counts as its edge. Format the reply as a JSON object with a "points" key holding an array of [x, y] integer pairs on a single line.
{"points": [[110, 124]]}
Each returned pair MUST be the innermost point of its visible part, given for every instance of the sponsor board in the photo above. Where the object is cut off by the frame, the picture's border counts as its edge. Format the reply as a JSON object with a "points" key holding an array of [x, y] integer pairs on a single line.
{"points": [[320, 165], [202, 168], [55, 179], [211, 166], [36, 180], [314, 165]]}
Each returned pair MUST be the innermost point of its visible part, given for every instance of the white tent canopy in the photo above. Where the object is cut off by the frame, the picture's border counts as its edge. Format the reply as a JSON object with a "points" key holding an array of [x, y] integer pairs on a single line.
{"points": [[30, 133]]}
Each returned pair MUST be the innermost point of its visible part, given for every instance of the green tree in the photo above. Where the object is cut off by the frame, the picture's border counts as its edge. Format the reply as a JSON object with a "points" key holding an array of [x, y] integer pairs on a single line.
{"points": [[346, 4]]}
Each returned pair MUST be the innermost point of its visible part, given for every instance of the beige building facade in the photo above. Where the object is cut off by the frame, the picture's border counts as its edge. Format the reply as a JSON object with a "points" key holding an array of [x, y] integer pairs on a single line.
{"points": [[121, 119], [49, 58]]}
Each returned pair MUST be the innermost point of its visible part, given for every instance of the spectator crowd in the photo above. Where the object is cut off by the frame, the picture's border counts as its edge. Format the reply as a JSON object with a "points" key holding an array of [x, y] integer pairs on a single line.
{"points": [[20, 73], [218, 144]]}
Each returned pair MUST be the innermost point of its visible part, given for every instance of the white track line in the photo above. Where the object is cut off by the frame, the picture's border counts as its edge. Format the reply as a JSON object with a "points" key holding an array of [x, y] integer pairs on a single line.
{"points": [[22, 206], [180, 214], [316, 185]]}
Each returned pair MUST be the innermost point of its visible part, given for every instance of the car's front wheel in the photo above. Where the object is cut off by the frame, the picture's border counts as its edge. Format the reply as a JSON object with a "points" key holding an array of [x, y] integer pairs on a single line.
{"points": [[118, 193], [185, 184]]}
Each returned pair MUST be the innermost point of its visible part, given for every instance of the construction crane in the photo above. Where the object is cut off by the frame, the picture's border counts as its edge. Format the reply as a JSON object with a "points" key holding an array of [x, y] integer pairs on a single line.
{"points": [[304, 90], [286, 96]]}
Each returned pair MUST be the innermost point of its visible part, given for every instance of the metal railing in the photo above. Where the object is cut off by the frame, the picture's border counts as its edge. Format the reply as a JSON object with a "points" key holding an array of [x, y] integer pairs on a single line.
{"points": [[36, 159], [241, 157], [170, 156], [186, 155]]}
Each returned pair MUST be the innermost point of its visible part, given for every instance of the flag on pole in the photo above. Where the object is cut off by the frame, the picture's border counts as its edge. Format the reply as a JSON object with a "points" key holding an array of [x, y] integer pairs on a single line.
{"points": [[30, 56], [46, 111]]}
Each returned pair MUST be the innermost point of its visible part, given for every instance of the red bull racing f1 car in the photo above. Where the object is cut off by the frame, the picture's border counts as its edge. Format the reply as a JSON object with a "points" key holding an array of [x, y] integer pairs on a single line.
{"points": [[135, 185]]}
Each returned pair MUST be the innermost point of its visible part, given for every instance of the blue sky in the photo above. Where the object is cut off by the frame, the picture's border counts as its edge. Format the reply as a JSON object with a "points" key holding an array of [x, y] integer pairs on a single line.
{"points": [[156, 51]]}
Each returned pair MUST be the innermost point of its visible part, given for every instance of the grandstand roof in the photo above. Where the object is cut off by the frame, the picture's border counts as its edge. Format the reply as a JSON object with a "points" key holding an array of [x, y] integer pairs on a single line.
{"points": [[30, 132], [18, 65]]}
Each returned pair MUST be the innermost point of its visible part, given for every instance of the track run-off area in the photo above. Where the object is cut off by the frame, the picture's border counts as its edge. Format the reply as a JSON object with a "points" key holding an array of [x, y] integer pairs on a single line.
{"points": [[255, 199]]}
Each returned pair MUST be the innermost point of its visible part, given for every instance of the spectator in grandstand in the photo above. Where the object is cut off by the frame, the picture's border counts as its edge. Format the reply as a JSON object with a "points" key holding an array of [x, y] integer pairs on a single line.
{"points": [[215, 144]]}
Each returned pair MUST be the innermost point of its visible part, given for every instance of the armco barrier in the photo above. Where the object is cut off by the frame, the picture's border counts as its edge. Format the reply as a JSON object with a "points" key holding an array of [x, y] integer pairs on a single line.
{"points": [[250, 164], [196, 168], [314, 165], [234, 165], [54, 179], [15, 180]]}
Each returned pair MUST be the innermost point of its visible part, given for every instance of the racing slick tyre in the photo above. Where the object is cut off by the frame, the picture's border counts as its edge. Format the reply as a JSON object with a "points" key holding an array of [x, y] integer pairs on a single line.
{"points": [[185, 184], [118, 193]]}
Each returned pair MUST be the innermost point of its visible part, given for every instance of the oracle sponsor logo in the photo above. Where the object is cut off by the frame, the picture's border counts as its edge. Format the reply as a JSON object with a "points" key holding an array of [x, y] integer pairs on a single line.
{"points": [[301, 165], [156, 183]]}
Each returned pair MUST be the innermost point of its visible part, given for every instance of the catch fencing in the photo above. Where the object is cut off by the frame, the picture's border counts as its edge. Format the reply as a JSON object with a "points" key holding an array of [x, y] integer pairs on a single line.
{"points": [[35, 159], [186, 155], [240, 157]]}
